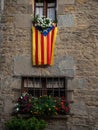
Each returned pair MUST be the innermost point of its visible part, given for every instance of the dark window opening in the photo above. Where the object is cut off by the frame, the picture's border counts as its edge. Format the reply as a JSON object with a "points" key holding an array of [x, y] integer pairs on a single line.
{"points": [[45, 8], [38, 86]]}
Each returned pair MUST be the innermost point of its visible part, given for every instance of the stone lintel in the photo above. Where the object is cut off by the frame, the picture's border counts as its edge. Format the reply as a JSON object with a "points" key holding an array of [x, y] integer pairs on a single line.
{"points": [[62, 67]]}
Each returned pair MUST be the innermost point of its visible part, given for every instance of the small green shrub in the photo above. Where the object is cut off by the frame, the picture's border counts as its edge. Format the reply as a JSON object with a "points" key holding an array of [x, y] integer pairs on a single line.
{"points": [[25, 124]]}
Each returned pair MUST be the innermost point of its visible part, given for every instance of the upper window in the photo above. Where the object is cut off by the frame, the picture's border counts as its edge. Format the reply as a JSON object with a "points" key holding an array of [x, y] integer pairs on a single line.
{"points": [[46, 8]]}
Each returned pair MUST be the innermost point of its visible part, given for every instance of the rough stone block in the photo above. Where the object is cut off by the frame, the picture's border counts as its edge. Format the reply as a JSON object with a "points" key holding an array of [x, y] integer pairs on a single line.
{"points": [[79, 127], [81, 1], [23, 66], [23, 1], [96, 119], [29, 9], [23, 20], [66, 63], [66, 2], [0, 38], [79, 108], [67, 20], [7, 107], [62, 67], [61, 9], [79, 83]]}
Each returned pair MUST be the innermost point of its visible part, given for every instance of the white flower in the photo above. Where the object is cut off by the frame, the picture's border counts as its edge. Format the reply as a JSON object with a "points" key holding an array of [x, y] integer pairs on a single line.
{"points": [[16, 104], [17, 109], [43, 21], [21, 97]]}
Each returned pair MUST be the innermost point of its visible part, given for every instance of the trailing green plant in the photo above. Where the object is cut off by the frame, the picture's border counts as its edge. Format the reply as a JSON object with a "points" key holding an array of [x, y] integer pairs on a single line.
{"points": [[25, 124]]}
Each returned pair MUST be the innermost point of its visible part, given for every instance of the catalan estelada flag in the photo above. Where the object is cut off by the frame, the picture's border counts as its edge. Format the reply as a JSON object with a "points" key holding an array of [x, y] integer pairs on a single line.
{"points": [[43, 46]]}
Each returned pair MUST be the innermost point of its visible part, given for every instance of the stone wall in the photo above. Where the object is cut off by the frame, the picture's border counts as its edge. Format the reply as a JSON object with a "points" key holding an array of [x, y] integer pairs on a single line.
{"points": [[76, 54]]}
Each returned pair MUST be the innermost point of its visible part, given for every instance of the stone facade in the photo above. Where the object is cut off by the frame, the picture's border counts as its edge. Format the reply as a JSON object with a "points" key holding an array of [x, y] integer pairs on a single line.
{"points": [[76, 56]]}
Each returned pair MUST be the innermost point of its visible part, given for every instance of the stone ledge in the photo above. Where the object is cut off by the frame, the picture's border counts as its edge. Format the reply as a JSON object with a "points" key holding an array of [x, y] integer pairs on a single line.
{"points": [[62, 116], [51, 118]]}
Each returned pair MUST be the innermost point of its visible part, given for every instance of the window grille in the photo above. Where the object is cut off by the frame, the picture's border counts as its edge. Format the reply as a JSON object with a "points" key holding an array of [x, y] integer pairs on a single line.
{"points": [[37, 86]]}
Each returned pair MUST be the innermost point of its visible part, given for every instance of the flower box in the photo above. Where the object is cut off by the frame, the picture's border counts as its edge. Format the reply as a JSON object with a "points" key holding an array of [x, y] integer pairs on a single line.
{"points": [[42, 107]]}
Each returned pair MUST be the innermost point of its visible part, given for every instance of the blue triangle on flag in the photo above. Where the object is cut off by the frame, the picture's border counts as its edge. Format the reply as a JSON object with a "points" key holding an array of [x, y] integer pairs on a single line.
{"points": [[45, 32]]}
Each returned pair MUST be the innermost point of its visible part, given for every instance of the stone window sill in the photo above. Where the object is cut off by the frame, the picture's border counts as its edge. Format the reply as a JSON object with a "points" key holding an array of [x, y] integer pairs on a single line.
{"points": [[65, 117], [62, 116]]}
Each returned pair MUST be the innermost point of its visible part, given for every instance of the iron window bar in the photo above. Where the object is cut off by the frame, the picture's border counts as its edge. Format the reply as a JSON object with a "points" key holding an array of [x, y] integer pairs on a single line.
{"points": [[41, 85]]}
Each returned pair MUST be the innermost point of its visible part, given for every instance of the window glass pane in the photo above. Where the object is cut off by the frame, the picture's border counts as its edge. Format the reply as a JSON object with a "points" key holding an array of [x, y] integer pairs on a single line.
{"points": [[32, 83], [51, 4], [55, 83], [51, 13], [39, 11], [39, 4]]}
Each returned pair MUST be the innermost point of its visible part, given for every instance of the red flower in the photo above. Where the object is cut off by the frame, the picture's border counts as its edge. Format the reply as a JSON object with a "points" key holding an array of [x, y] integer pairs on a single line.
{"points": [[28, 105], [56, 108]]}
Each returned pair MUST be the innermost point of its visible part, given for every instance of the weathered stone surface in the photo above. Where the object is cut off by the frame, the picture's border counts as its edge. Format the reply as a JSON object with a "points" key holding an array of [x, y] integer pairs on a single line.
{"points": [[66, 20], [0, 20], [81, 1], [1, 5], [96, 119], [76, 56], [66, 63], [80, 128], [23, 20], [23, 1], [0, 38], [57, 125], [79, 83], [66, 2], [7, 107], [79, 108], [23, 66], [62, 67]]}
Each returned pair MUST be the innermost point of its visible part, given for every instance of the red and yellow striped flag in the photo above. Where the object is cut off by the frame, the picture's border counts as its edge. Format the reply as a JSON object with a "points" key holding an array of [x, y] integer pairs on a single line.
{"points": [[43, 47]]}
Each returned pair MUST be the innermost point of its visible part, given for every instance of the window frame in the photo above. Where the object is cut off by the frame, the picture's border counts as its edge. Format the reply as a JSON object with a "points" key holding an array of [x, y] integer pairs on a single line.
{"points": [[45, 7], [45, 90]]}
